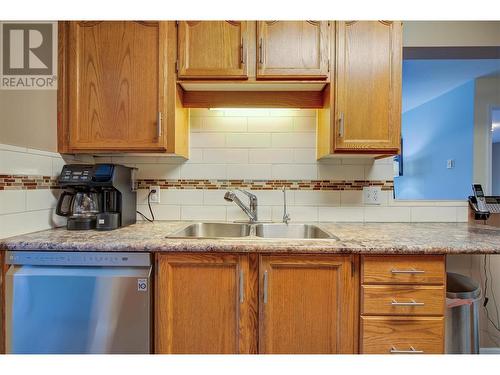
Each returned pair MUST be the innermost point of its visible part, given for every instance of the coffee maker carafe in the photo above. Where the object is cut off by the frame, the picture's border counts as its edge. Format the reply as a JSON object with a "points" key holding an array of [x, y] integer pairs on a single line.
{"points": [[100, 196], [80, 207]]}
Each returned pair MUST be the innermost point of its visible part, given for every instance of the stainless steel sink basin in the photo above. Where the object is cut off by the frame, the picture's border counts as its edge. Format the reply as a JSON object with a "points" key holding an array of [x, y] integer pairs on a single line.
{"points": [[212, 230], [242, 230], [294, 231]]}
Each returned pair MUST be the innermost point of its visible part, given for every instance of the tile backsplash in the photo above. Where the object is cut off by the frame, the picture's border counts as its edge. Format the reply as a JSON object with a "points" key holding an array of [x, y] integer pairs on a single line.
{"points": [[259, 150], [262, 150], [27, 204]]}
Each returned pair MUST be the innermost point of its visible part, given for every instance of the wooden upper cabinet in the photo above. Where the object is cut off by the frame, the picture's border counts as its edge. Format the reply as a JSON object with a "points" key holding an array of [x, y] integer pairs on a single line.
{"points": [[367, 113], [205, 304], [115, 85], [293, 49], [212, 49], [307, 305]]}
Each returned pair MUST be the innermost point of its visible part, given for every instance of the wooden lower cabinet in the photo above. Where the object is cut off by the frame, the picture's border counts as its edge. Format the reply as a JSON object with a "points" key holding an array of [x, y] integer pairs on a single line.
{"points": [[402, 335], [307, 304], [205, 304], [298, 304], [402, 304]]}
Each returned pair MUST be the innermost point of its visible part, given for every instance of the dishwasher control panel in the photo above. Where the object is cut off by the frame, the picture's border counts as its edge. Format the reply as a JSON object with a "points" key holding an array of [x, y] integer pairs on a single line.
{"points": [[61, 258]]}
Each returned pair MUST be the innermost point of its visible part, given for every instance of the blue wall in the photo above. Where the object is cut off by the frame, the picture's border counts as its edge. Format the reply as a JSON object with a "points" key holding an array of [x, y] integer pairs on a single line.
{"points": [[434, 132]]}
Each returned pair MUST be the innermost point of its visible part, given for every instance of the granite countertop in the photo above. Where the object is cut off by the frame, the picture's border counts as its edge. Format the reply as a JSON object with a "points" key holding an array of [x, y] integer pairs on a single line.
{"points": [[373, 238]]}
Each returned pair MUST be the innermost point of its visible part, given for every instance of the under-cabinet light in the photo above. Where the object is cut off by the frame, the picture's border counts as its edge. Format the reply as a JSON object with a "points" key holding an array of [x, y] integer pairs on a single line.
{"points": [[253, 109]]}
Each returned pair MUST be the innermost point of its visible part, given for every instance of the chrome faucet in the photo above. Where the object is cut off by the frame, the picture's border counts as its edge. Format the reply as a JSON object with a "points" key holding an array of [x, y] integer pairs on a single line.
{"points": [[286, 215], [251, 210]]}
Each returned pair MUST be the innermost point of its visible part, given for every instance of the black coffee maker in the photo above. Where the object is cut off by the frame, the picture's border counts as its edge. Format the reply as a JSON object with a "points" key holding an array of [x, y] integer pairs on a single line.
{"points": [[99, 196]]}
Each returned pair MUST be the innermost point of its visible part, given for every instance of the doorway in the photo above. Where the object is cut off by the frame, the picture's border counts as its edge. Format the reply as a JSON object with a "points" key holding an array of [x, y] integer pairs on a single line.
{"points": [[495, 151]]}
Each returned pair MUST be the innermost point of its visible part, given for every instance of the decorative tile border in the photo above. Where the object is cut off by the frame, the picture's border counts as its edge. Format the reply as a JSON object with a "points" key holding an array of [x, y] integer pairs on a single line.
{"points": [[25, 182], [264, 184]]}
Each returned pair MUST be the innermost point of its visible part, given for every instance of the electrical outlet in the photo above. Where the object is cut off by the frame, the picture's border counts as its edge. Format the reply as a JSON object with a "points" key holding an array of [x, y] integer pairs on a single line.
{"points": [[372, 194], [155, 197]]}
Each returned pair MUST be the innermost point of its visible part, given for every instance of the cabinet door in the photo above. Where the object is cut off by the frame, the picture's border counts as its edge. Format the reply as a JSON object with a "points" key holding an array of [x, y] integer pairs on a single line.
{"points": [[205, 304], [307, 305], [368, 86], [3, 271], [292, 49], [115, 78], [212, 49]]}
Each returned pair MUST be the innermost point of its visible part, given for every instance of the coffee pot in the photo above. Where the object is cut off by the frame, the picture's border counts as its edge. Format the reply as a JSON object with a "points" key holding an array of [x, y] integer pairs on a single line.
{"points": [[80, 207]]}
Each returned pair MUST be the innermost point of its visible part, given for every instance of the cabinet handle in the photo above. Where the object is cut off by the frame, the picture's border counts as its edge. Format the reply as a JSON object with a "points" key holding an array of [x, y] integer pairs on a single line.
{"points": [[265, 286], [411, 303], [261, 60], [242, 289], [412, 350], [242, 56], [158, 124], [341, 124], [410, 271]]}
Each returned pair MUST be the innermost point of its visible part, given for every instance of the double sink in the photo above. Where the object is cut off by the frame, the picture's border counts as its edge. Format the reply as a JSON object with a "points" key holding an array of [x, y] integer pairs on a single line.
{"points": [[242, 230]]}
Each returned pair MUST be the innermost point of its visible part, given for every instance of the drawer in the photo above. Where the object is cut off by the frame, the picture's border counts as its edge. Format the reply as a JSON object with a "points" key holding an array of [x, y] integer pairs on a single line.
{"points": [[403, 269], [402, 300], [402, 335]]}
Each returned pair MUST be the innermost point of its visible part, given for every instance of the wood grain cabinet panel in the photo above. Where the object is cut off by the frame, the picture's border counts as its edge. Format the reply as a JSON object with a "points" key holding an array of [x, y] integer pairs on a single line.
{"points": [[115, 81], [307, 305], [367, 114], [407, 269], [402, 335], [293, 49], [3, 271], [402, 300], [402, 304], [205, 304], [212, 49]]}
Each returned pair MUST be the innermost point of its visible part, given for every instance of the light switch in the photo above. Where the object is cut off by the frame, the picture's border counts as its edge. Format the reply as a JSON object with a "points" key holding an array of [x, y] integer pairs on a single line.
{"points": [[450, 163]]}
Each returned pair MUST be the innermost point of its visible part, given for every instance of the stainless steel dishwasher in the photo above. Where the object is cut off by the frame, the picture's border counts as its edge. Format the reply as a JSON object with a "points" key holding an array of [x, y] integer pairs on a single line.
{"points": [[78, 302]]}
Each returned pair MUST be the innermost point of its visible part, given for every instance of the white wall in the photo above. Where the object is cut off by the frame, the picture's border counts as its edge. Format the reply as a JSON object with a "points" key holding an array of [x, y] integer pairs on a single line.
{"points": [[28, 118], [495, 164], [487, 97], [451, 33]]}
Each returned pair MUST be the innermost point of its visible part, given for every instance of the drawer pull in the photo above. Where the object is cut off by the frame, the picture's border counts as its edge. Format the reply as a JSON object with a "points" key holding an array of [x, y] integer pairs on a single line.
{"points": [[412, 350], [265, 286], [242, 287], [411, 271], [411, 303]]}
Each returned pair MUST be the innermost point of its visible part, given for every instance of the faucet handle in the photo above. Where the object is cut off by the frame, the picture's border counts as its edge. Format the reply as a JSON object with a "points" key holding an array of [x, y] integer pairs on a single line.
{"points": [[248, 194]]}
